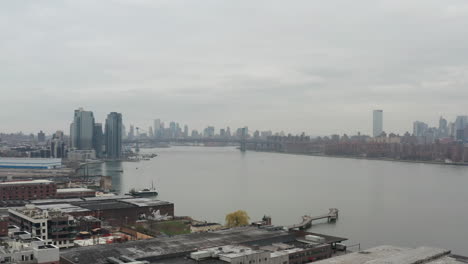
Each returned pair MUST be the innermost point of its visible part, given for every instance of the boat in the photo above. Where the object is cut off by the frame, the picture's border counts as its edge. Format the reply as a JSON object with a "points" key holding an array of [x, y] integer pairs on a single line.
{"points": [[144, 192]]}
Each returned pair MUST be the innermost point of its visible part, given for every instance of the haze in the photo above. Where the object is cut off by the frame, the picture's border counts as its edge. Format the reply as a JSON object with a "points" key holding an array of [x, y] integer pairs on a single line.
{"points": [[314, 66]]}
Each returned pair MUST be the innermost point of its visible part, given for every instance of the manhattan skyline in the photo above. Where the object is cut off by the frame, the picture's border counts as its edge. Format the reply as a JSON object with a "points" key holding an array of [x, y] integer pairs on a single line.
{"points": [[265, 65]]}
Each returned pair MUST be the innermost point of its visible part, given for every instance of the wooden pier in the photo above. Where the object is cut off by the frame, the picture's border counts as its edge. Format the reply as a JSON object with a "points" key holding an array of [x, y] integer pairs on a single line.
{"points": [[307, 219]]}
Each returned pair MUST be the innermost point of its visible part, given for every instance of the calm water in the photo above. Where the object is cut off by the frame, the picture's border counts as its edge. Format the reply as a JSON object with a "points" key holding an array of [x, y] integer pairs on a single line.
{"points": [[380, 202]]}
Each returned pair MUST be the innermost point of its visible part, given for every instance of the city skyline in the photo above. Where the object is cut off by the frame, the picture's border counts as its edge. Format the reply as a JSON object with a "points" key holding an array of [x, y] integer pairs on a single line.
{"points": [[280, 66], [366, 128]]}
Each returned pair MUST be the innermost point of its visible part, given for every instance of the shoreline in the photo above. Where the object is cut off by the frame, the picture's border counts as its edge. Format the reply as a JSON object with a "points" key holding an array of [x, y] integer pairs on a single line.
{"points": [[367, 158]]}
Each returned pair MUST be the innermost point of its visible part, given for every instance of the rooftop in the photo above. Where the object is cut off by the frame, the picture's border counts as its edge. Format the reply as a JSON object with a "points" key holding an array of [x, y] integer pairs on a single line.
{"points": [[144, 202], [25, 182], [395, 255], [176, 246], [68, 190], [95, 203], [104, 205], [65, 208], [35, 212]]}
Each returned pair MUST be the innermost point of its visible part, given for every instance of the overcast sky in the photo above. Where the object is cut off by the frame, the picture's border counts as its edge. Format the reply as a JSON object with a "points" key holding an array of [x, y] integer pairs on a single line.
{"points": [[319, 66]]}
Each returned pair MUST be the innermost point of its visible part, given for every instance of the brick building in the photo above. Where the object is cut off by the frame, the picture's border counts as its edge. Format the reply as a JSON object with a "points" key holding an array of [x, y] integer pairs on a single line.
{"points": [[27, 190]]}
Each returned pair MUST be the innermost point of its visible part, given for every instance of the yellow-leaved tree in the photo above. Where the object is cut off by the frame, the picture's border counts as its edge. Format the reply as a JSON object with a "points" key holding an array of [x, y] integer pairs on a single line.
{"points": [[237, 218]]}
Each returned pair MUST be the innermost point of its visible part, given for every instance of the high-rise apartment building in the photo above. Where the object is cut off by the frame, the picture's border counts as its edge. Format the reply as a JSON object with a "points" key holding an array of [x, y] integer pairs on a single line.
{"points": [[82, 130], [377, 124], [113, 135]]}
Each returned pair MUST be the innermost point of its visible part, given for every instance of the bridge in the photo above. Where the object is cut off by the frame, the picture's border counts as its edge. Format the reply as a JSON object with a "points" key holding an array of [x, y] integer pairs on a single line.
{"points": [[255, 144], [332, 216]]}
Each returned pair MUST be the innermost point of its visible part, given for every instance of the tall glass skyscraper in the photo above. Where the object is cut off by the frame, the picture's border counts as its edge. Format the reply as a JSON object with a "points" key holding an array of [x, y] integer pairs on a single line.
{"points": [[82, 130], [377, 128], [98, 139], [113, 135]]}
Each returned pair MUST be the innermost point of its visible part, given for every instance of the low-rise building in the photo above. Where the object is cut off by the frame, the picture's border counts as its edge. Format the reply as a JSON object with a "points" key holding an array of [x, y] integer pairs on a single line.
{"points": [[27, 190], [25, 249], [52, 226]]}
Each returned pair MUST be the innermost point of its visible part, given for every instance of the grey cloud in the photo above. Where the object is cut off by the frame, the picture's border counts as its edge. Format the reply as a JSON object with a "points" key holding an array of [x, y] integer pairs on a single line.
{"points": [[314, 66]]}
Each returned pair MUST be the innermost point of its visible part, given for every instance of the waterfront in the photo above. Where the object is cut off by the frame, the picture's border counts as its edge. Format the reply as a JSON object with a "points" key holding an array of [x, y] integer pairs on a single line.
{"points": [[380, 202]]}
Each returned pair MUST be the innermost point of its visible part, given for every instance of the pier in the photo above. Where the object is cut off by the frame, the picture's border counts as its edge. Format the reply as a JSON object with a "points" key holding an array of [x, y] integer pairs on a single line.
{"points": [[307, 219]]}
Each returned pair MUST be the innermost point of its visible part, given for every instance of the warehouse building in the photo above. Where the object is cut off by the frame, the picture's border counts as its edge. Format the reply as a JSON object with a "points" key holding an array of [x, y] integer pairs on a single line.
{"points": [[242, 245], [30, 163], [27, 190]]}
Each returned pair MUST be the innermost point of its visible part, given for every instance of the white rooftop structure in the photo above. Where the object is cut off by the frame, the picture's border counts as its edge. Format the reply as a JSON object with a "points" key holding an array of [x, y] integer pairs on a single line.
{"points": [[26, 182], [395, 255], [69, 190], [30, 163]]}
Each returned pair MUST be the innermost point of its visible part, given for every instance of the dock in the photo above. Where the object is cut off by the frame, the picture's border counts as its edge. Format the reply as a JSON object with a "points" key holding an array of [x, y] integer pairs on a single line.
{"points": [[307, 220]]}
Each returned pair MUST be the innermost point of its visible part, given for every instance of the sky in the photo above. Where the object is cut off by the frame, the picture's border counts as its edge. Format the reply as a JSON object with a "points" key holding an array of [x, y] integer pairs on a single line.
{"points": [[314, 66]]}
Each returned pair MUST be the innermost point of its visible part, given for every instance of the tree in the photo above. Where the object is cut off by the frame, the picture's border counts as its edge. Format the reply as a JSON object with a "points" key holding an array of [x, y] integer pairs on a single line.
{"points": [[237, 218]]}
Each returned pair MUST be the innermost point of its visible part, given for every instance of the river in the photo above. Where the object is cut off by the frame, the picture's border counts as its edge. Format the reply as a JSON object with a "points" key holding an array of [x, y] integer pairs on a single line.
{"points": [[380, 202]]}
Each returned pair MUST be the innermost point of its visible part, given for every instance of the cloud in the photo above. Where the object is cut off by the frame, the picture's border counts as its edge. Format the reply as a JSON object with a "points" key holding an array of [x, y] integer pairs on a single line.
{"points": [[314, 66]]}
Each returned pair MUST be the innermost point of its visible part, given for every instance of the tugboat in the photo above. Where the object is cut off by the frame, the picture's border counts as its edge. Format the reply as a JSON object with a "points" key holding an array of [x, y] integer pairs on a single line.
{"points": [[145, 193]]}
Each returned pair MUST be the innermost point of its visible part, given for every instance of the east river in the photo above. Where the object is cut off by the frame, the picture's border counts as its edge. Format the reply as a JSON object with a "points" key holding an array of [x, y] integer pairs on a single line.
{"points": [[380, 202]]}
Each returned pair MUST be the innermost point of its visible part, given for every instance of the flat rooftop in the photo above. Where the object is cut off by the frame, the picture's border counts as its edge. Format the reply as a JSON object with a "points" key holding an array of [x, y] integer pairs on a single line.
{"points": [[395, 255], [71, 190], [300, 235], [160, 248], [25, 182], [65, 208], [104, 205], [144, 202], [94, 203]]}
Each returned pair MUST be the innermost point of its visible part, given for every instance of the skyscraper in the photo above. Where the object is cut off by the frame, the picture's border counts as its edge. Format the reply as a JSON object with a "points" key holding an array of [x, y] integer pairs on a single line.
{"points": [[131, 133], [377, 127], [113, 135], [41, 136], [460, 124], [124, 132], [443, 129], [157, 128], [98, 139], [82, 130], [419, 128]]}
